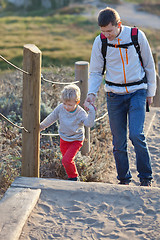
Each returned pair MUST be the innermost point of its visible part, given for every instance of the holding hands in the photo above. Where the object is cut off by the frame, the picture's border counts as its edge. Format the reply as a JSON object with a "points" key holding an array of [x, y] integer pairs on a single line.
{"points": [[90, 100]]}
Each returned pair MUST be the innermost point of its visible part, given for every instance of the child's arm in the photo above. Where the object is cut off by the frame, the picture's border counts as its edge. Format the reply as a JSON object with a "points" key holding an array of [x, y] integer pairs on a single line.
{"points": [[50, 119], [90, 117]]}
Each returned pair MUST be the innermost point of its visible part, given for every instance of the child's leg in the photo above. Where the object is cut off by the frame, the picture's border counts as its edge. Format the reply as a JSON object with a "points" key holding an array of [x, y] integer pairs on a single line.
{"points": [[69, 150], [63, 146]]}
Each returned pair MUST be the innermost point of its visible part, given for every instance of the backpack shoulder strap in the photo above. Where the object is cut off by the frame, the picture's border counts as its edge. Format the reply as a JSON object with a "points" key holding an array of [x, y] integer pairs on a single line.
{"points": [[134, 37], [104, 50]]}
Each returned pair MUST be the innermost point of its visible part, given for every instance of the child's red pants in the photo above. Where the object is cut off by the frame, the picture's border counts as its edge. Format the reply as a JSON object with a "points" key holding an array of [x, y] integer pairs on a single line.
{"points": [[69, 150]]}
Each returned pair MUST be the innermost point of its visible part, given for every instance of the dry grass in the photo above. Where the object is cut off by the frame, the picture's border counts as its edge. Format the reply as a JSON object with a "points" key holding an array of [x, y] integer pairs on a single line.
{"points": [[153, 8], [62, 38]]}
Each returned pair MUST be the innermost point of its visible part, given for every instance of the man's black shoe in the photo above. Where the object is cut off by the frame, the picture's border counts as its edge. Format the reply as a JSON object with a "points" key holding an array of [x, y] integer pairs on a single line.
{"points": [[124, 182], [145, 182]]}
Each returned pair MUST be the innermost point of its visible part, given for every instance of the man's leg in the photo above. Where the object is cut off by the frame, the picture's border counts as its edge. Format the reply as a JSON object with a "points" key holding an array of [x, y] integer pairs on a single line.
{"points": [[117, 111], [136, 125]]}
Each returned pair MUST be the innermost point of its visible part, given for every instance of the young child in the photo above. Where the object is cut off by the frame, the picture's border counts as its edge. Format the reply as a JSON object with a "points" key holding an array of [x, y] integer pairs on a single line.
{"points": [[72, 119]]}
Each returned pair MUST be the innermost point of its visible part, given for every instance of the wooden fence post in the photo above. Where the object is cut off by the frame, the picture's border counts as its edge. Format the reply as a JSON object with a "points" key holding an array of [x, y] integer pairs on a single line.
{"points": [[155, 57], [156, 99], [81, 75], [31, 110]]}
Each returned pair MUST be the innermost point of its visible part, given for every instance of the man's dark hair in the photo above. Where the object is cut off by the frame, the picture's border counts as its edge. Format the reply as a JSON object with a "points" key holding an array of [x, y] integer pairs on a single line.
{"points": [[107, 16]]}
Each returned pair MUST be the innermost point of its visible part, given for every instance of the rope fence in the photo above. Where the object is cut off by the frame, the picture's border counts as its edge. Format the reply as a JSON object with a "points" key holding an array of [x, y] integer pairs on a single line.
{"points": [[50, 134], [15, 125], [100, 118], [21, 70], [61, 83]]}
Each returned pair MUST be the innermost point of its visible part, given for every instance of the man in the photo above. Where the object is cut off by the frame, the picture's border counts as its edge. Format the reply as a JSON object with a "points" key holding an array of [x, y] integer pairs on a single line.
{"points": [[128, 86]]}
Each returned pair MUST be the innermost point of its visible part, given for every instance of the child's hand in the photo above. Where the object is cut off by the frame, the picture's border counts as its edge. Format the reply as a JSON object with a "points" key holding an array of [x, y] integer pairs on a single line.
{"points": [[88, 104], [93, 106], [90, 99]]}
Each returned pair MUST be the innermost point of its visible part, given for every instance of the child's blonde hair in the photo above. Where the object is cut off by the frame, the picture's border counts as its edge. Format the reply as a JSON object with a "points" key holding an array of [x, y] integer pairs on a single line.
{"points": [[70, 92]]}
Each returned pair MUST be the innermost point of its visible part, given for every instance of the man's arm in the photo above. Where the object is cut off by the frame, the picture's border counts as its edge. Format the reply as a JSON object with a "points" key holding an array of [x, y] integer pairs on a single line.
{"points": [[95, 72], [149, 65]]}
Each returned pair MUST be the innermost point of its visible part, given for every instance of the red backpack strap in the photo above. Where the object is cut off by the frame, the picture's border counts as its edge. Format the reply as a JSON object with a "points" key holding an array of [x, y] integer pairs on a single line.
{"points": [[134, 37], [134, 31], [102, 36], [104, 50]]}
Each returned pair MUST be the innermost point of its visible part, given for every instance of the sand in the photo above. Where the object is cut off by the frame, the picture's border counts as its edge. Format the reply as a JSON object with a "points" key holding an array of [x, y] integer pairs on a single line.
{"points": [[78, 210], [95, 211]]}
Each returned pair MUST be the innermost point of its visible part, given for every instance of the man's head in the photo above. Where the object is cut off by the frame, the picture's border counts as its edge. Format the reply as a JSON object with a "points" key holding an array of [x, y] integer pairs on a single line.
{"points": [[108, 15], [109, 22]]}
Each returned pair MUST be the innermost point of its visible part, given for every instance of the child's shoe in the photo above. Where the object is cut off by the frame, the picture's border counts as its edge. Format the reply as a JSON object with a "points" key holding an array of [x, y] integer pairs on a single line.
{"points": [[74, 179]]}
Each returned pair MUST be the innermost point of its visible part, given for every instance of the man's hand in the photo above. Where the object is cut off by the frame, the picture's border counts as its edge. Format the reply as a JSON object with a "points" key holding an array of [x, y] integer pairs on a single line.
{"points": [[90, 99], [149, 100]]}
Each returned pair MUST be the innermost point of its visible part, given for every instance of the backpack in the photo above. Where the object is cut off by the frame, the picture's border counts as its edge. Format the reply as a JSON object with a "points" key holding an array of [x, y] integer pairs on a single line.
{"points": [[134, 37]]}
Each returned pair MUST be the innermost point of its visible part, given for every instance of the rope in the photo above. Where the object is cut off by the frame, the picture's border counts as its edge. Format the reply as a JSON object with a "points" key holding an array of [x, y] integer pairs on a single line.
{"points": [[56, 134], [101, 117], [13, 123], [50, 134], [14, 65], [62, 83]]}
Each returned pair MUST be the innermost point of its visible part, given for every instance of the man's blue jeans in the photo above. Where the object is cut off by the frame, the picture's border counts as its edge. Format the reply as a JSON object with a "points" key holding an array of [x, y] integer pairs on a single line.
{"points": [[129, 111]]}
